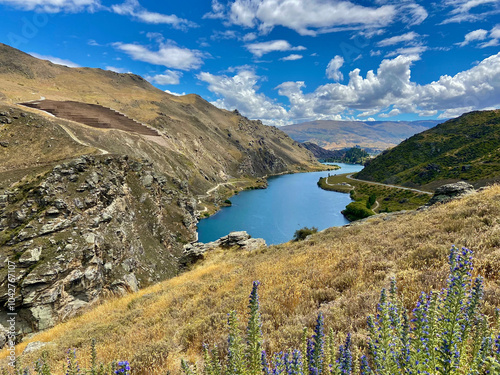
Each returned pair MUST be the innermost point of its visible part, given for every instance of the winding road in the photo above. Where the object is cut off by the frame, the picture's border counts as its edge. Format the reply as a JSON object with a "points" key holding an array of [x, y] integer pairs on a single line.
{"points": [[77, 140], [393, 186], [349, 176]]}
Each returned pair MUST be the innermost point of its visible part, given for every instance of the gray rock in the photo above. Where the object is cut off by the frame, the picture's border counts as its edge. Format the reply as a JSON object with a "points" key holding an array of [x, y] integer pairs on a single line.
{"points": [[4, 143], [54, 226], [448, 192], [233, 238], [34, 346], [131, 281], [60, 204], [31, 256], [252, 244], [43, 315], [52, 211], [72, 308], [78, 203], [89, 238], [194, 252], [147, 180]]}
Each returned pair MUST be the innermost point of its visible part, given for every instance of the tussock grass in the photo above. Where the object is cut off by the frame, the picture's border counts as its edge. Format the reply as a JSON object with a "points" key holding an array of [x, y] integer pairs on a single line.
{"points": [[338, 272]]}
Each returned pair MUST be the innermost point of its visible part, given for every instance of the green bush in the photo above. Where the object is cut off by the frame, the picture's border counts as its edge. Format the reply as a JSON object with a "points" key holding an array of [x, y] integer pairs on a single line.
{"points": [[301, 234], [371, 201], [357, 210]]}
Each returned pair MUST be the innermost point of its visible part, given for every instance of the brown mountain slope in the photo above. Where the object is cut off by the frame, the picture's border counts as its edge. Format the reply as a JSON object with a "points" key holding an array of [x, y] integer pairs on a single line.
{"points": [[91, 211]]}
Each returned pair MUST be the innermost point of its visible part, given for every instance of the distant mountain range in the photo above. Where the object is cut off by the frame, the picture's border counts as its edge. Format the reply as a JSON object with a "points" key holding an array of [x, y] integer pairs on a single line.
{"points": [[465, 148], [371, 135]]}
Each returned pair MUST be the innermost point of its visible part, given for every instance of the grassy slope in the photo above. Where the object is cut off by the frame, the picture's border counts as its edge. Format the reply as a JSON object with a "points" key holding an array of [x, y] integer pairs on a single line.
{"points": [[339, 272], [465, 148], [334, 135]]}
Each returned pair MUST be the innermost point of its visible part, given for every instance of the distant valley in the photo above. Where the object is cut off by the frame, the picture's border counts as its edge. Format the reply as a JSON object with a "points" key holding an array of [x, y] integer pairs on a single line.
{"points": [[373, 136]]}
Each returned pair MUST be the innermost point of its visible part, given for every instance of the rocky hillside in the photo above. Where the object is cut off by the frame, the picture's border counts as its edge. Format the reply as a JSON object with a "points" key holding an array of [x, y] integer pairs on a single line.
{"points": [[374, 136], [321, 153], [465, 148], [89, 211]]}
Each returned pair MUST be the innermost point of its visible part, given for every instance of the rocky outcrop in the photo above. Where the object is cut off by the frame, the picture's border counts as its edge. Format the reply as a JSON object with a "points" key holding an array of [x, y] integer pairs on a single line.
{"points": [[90, 228], [194, 252], [448, 192]]}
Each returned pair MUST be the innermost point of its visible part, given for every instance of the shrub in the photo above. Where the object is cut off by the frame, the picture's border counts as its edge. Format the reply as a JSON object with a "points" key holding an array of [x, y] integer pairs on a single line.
{"points": [[301, 234], [371, 201], [356, 211]]}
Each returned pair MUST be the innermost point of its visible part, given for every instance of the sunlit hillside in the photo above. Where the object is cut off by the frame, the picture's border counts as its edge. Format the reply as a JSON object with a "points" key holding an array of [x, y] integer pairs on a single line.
{"points": [[338, 272]]}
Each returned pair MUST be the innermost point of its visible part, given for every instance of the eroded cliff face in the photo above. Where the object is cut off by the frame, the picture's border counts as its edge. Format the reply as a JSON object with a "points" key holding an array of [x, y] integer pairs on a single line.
{"points": [[93, 227]]}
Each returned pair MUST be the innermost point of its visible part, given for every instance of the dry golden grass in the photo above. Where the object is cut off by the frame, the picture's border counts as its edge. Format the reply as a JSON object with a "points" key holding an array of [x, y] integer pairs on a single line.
{"points": [[339, 272]]}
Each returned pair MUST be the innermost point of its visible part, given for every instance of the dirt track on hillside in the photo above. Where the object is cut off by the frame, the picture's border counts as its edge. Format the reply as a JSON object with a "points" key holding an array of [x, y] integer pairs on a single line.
{"points": [[92, 115]]}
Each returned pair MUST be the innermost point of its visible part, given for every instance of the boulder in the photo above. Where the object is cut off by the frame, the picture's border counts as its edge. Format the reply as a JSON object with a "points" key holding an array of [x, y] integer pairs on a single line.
{"points": [[194, 252], [43, 315], [31, 256], [448, 192], [233, 238], [252, 244], [34, 346]]}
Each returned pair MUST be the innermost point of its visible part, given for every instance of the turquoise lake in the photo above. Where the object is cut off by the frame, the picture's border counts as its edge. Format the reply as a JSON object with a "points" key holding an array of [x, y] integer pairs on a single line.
{"points": [[289, 203]]}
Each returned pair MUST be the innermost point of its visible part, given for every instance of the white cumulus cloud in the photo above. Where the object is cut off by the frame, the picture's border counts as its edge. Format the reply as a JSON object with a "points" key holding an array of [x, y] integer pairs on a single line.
{"points": [[134, 9], [170, 77], [175, 93], [333, 68], [405, 38], [292, 57], [307, 17], [386, 92], [260, 49], [479, 34], [117, 70], [168, 55], [240, 92]]}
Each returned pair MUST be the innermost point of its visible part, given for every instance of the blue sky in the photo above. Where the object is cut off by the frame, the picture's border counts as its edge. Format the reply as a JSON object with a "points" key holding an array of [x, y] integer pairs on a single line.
{"points": [[282, 61]]}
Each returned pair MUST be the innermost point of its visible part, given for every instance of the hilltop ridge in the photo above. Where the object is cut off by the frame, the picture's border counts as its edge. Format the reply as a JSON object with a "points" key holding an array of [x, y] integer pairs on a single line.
{"points": [[466, 148]]}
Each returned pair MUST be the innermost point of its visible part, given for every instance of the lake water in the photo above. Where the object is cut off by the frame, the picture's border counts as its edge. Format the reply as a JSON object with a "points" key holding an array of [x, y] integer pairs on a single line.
{"points": [[289, 203]]}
